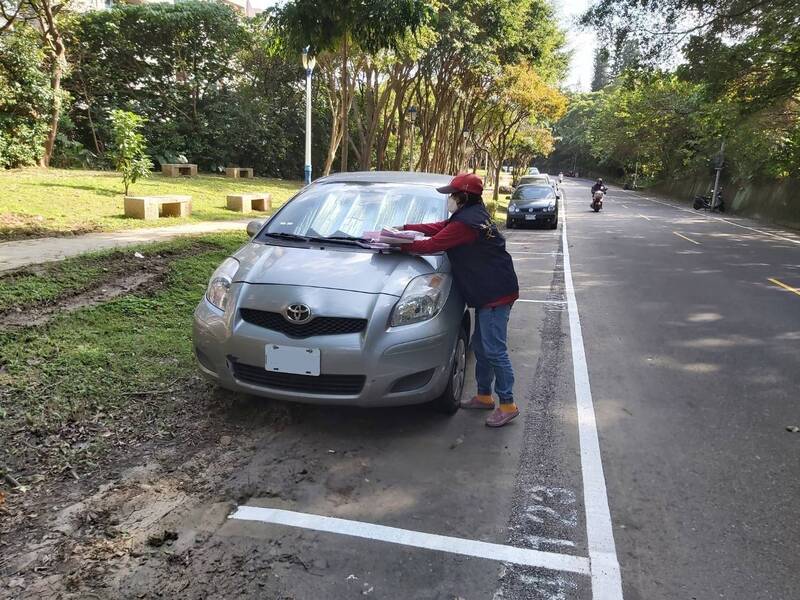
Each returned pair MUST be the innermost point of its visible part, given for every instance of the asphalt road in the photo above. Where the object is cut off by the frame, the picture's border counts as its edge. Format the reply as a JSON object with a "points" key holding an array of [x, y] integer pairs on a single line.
{"points": [[656, 355], [693, 350]]}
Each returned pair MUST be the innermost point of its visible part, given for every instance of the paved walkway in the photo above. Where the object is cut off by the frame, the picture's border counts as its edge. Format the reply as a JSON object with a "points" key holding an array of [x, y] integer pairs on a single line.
{"points": [[14, 255]]}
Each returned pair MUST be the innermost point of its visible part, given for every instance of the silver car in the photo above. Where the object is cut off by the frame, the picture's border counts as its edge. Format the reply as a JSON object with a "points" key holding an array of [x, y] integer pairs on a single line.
{"points": [[307, 311]]}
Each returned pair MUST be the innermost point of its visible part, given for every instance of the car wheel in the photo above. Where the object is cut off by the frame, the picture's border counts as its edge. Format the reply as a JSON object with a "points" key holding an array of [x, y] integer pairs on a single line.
{"points": [[554, 224], [450, 401]]}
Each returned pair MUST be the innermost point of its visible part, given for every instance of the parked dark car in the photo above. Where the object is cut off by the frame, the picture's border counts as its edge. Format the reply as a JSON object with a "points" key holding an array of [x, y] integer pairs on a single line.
{"points": [[531, 205]]}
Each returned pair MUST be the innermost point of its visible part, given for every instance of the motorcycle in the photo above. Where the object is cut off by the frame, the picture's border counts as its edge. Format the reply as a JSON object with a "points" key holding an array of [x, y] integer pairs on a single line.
{"points": [[704, 202], [597, 200]]}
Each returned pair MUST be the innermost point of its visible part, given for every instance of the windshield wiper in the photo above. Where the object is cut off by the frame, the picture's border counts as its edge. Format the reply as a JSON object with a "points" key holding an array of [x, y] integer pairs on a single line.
{"points": [[346, 238], [334, 239], [342, 239], [287, 236]]}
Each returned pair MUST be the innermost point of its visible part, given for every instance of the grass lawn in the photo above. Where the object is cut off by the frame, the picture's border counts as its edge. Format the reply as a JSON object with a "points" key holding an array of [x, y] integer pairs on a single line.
{"points": [[73, 384], [36, 202]]}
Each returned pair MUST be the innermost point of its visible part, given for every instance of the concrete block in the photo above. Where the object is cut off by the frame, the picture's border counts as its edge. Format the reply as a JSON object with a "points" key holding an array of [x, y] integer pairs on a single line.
{"points": [[152, 207], [176, 170], [238, 172], [248, 202]]}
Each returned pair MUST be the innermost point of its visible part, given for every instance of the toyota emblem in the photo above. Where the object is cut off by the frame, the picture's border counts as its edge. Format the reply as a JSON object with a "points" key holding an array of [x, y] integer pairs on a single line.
{"points": [[297, 314]]}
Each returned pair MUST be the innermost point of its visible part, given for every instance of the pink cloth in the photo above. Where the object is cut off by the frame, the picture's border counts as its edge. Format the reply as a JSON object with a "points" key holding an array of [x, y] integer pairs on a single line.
{"points": [[393, 237]]}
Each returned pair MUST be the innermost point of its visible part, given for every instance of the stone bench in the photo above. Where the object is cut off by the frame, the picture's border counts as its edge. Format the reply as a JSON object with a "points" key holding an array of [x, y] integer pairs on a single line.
{"points": [[176, 170], [247, 202], [152, 207], [239, 172]]}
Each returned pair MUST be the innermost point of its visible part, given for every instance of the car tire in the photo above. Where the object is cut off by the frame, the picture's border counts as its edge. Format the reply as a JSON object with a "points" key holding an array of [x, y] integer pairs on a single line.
{"points": [[509, 224], [450, 400], [554, 224]]}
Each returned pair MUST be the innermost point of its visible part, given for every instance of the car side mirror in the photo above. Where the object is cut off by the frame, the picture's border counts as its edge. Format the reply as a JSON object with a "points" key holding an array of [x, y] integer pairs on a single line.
{"points": [[253, 227]]}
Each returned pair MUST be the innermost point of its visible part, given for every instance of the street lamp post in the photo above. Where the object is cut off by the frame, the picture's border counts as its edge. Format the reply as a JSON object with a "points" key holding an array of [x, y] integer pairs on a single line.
{"points": [[308, 64], [412, 118]]}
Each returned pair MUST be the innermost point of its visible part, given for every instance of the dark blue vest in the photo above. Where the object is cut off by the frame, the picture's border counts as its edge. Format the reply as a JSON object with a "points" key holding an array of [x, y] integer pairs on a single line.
{"points": [[483, 270]]}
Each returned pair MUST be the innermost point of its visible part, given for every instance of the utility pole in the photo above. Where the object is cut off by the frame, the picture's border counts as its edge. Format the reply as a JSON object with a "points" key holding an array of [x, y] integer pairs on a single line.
{"points": [[308, 65], [718, 168], [412, 118]]}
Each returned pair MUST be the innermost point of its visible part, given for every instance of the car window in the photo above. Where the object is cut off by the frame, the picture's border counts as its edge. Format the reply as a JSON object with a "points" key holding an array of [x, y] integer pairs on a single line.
{"points": [[532, 192], [534, 179], [350, 209]]}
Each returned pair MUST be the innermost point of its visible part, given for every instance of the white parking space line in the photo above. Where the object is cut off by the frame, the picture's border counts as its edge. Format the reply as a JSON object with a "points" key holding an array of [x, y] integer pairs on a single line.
{"points": [[416, 539], [543, 301], [606, 578]]}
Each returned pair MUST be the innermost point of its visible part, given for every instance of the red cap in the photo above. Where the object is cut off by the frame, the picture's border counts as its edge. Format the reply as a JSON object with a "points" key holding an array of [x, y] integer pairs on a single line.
{"points": [[463, 182]]}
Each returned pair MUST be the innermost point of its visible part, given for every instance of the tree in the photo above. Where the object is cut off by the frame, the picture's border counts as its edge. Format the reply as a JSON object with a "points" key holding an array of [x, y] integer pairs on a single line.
{"points": [[128, 153], [339, 25], [531, 143], [520, 100], [753, 45], [45, 17], [25, 96], [602, 69]]}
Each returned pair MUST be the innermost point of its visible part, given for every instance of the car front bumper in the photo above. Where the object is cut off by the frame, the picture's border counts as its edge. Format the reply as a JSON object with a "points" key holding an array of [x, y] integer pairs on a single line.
{"points": [[396, 365], [542, 217]]}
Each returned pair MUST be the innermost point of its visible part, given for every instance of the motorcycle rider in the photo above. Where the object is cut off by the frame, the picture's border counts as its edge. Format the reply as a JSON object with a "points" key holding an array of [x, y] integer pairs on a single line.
{"points": [[599, 187], [560, 177]]}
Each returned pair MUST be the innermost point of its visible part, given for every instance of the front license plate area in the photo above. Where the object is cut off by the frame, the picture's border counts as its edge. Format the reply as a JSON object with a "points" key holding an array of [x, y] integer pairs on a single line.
{"points": [[530, 217], [291, 359]]}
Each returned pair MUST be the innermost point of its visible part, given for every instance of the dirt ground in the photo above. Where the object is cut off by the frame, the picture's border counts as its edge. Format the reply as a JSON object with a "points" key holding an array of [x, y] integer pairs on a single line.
{"points": [[96, 538]]}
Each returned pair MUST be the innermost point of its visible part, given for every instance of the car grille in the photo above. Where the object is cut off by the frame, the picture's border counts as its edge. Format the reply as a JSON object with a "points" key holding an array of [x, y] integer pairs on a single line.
{"points": [[531, 210], [316, 326], [334, 385]]}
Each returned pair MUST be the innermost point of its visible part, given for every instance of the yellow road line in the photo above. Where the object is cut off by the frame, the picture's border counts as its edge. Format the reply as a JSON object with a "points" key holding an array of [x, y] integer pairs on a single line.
{"points": [[684, 237], [784, 286]]}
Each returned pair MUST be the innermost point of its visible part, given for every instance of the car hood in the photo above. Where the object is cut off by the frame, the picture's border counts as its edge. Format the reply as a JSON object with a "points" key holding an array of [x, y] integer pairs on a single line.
{"points": [[341, 269], [544, 203]]}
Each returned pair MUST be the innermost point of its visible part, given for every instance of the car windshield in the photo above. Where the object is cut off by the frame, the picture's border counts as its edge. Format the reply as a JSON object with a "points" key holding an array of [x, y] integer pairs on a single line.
{"points": [[534, 179], [532, 192], [336, 210]]}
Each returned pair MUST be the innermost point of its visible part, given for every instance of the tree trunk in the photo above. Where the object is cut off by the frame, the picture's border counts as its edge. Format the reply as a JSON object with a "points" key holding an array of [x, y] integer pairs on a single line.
{"points": [[333, 145], [496, 192], [55, 113], [345, 107]]}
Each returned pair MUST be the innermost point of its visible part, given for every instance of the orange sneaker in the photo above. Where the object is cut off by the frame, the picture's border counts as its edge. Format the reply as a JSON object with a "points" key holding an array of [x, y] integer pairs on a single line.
{"points": [[500, 417], [480, 402]]}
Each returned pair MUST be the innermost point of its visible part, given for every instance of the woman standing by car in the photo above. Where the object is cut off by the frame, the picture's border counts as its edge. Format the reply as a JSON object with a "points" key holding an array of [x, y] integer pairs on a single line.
{"points": [[484, 273]]}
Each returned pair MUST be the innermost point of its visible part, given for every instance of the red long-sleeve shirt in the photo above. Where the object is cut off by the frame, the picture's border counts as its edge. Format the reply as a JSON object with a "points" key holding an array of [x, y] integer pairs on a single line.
{"points": [[443, 236]]}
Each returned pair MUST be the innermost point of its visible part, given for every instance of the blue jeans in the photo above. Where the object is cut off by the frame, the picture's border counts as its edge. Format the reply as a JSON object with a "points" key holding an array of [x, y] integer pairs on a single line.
{"points": [[490, 344]]}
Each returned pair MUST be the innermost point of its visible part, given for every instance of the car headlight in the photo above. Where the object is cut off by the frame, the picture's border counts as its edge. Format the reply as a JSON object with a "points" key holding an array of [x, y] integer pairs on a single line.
{"points": [[423, 298], [220, 283], [551, 207], [512, 208]]}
